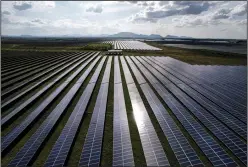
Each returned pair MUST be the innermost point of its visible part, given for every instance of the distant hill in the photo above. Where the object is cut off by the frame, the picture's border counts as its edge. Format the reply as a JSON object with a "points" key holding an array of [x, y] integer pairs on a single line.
{"points": [[133, 35], [173, 36], [26, 36]]}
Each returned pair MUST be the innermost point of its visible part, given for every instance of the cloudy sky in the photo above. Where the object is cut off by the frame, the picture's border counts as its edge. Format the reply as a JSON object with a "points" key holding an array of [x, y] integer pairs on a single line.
{"points": [[211, 19]]}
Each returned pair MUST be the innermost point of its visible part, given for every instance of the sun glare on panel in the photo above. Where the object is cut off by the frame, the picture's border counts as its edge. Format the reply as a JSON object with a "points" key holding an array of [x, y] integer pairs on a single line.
{"points": [[138, 114]]}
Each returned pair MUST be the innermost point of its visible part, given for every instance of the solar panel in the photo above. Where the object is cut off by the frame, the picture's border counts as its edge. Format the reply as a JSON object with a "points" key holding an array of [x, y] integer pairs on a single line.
{"points": [[129, 78], [60, 151], [234, 143], [131, 45], [122, 147], [17, 110], [175, 137], [21, 75], [15, 88], [14, 99], [27, 152], [117, 75], [229, 120], [207, 144], [106, 76], [182, 149], [221, 101], [232, 100], [137, 74], [216, 89], [201, 137], [153, 150], [22, 65], [91, 153]]}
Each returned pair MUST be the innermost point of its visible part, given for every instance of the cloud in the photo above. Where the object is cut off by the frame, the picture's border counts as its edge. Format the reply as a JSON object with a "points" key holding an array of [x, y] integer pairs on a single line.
{"points": [[38, 21], [198, 21], [132, 2], [242, 22], [97, 9], [6, 13], [22, 5], [221, 14], [183, 8], [240, 10], [159, 10]]}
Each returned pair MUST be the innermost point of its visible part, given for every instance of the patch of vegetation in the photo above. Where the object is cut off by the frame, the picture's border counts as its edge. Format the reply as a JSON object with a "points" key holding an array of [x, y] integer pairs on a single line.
{"points": [[97, 46], [30, 47]]}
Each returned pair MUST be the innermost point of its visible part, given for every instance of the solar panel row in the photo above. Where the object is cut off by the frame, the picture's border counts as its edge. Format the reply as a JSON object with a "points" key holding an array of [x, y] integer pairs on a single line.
{"points": [[21, 66], [228, 119], [153, 150], [208, 145], [27, 152], [131, 45], [24, 83], [122, 146], [201, 103], [91, 153], [29, 101], [214, 88], [225, 104], [181, 147], [232, 122], [10, 79], [234, 143], [14, 99], [62, 147]]}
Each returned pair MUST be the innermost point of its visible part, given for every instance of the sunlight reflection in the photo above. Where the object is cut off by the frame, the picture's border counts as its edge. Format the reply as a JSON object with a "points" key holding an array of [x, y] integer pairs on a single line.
{"points": [[138, 114]]}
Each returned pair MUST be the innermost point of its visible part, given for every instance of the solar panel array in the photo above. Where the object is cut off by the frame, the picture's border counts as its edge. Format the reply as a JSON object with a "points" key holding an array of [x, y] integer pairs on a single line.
{"points": [[25, 155], [199, 110], [61, 149], [91, 153], [225, 117], [211, 92], [153, 150], [131, 45], [181, 147], [208, 145], [122, 146]]}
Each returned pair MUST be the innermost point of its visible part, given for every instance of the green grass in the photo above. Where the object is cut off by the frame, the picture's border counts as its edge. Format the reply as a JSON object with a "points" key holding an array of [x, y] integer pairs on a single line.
{"points": [[97, 46], [28, 47]]}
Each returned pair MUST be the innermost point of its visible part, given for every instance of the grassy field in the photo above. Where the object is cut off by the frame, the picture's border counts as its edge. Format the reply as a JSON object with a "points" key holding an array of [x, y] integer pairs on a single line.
{"points": [[66, 48], [196, 56]]}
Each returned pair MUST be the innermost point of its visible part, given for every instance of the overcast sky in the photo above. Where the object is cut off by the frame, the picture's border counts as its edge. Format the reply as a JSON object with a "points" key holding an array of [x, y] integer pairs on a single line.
{"points": [[211, 19]]}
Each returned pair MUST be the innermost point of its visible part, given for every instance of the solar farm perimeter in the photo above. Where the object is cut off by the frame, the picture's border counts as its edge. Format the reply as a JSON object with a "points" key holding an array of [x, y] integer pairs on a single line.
{"points": [[86, 108]]}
